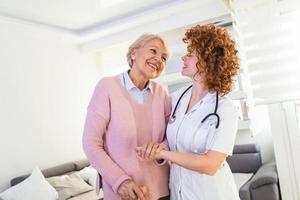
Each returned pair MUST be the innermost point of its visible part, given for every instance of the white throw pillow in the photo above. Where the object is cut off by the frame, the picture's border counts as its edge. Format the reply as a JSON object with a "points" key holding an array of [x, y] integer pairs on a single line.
{"points": [[89, 174], [35, 187]]}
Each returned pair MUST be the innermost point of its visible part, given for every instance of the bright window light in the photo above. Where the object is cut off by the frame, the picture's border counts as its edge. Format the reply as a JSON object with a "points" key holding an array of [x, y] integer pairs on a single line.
{"points": [[108, 3]]}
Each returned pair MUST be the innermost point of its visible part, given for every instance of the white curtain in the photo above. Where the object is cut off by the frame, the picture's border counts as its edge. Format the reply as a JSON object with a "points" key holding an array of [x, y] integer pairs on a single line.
{"points": [[268, 34]]}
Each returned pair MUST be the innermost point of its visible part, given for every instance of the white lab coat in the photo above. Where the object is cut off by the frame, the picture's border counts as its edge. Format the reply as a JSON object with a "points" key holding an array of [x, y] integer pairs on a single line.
{"points": [[186, 134]]}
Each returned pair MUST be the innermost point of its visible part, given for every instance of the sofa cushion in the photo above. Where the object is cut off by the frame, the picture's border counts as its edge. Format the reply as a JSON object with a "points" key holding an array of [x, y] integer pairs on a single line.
{"points": [[34, 187], [80, 164], [246, 158], [69, 185], [53, 171], [89, 174]]}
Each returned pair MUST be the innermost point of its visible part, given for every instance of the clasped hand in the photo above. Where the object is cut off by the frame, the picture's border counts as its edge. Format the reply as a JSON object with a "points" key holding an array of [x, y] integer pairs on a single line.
{"points": [[150, 151], [129, 190]]}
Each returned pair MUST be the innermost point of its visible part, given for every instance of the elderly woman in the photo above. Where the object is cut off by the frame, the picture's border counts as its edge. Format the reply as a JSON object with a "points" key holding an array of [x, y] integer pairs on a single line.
{"points": [[203, 126], [127, 111]]}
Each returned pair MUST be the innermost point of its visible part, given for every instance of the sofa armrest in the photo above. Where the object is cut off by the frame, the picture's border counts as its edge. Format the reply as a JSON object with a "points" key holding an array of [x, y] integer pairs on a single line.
{"points": [[266, 174], [263, 185], [244, 191]]}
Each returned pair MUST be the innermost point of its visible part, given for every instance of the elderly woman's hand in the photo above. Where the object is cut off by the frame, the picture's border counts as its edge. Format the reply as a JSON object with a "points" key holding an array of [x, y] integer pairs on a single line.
{"points": [[128, 190], [150, 151]]}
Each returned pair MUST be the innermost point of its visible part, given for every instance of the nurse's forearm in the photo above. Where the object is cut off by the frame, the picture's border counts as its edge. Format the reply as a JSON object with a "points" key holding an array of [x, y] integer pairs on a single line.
{"points": [[208, 163]]}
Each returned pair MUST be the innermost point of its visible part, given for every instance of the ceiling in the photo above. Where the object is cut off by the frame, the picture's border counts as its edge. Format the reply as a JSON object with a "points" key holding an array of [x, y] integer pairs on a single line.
{"points": [[74, 14], [94, 22]]}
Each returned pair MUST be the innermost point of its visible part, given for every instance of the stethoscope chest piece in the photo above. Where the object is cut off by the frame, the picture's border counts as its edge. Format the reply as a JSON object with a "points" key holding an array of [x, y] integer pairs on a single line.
{"points": [[172, 119]]}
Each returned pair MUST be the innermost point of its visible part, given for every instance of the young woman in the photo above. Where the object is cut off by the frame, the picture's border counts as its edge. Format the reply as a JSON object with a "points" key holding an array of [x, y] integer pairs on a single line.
{"points": [[203, 125]]}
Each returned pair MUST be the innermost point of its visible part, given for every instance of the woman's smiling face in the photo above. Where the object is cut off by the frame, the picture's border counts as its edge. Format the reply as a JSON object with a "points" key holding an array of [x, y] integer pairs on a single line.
{"points": [[150, 59], [189, 67]]}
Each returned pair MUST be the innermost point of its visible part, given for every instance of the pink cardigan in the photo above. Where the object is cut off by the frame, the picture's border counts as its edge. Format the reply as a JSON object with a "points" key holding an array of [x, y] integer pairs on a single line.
{"points": [[110, 138]]}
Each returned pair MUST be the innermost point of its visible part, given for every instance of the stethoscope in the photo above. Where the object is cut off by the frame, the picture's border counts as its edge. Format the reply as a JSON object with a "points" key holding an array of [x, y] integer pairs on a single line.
{"points": [[173, 116]]}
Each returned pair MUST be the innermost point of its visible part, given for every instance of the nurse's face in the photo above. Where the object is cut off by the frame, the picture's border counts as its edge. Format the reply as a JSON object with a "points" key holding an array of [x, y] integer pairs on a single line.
{"points": [[189, 68], [150, 59]]}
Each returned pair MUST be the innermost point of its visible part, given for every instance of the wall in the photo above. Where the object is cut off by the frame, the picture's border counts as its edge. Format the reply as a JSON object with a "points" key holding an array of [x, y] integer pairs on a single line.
{"points": [[45, 85], [260, 133]]}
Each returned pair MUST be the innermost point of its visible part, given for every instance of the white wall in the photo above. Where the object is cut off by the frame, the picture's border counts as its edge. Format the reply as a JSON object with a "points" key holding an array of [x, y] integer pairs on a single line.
{"points": [[45, 85], [263, 139], [262, 133]]}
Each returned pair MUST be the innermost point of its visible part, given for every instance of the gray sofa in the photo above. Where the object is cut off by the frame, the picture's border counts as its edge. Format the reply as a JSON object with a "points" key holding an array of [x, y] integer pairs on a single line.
{"points": [[264, 184], [62, 169]]}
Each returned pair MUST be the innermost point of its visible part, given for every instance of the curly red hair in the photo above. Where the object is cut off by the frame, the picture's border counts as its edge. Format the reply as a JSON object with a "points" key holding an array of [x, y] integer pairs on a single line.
{"points": [[217, 56]]}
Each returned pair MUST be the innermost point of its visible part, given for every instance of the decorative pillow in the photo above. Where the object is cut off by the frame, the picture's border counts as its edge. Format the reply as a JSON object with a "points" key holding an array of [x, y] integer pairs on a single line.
{"points": [[34, 187], [89, 174], [69, 185]]}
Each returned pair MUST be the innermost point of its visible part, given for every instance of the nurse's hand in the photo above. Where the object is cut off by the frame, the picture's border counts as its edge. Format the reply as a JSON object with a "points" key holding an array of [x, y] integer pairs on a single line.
{"points": [[149, 151], [128, 190], [159, 156]]}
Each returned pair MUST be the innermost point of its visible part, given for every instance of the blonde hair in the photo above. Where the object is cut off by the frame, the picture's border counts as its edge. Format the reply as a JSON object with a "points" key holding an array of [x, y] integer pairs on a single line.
{"points": [[140, 42]]}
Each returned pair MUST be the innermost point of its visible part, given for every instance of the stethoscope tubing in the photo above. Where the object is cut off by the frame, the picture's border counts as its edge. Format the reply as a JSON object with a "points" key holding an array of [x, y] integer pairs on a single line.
{"points": [[173, 116]]}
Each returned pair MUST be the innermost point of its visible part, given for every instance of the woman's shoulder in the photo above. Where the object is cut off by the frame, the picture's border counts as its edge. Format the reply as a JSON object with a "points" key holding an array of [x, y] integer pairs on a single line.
{"points": [[226, 101], [106, 81], [226, 104]]}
